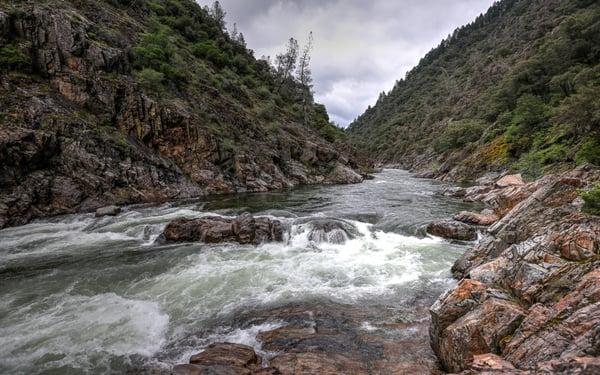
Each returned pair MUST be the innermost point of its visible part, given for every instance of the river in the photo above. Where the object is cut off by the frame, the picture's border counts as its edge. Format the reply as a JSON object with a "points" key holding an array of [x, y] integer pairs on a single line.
{"points": [[80, 294]]}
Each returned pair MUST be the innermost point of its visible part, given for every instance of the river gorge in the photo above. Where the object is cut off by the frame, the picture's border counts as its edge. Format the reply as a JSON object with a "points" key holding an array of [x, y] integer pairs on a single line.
{"points": [[100, 295]]}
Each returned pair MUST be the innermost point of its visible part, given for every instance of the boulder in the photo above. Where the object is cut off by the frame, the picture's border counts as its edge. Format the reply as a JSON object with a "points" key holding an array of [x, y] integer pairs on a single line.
{"points": [[342, 174], [244, 229], [108, 211], [510, 180], [329, 230], [222, 358], [485, 218], [452, 229]]}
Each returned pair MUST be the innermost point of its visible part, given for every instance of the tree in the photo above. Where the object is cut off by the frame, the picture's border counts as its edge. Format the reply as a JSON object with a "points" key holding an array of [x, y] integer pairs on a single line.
{"points": [[304, 75], [218, 14], [286, 62]]}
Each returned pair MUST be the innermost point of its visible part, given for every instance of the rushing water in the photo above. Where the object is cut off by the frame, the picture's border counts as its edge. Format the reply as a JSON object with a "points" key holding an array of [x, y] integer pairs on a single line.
{"points": [[85, 294]]}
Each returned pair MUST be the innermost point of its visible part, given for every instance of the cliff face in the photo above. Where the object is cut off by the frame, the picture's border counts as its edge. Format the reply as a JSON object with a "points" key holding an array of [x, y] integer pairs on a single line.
{"points": [[528, 299], [517, 89], [117, 102]]}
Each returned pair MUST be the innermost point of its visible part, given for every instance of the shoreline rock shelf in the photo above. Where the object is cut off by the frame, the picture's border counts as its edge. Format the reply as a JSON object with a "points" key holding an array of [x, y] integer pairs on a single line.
{"points": [[528, 299]]}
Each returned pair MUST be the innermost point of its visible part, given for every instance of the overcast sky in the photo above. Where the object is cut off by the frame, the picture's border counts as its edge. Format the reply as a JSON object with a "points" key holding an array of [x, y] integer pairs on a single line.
{"points": [[361, 46]]}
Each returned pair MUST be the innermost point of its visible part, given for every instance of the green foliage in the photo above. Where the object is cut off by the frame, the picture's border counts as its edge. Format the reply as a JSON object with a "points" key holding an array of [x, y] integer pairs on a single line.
{"points": [[155, 52], [150, 78], [12, 58], [591, 200], [210, 51], [589, 152], [332, 133], [459, 134], [532, 76]]}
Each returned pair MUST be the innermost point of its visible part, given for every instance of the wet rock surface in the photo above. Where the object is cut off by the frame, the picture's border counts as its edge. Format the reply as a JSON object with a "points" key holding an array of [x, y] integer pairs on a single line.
{"points": [[244, 229], [328, 338], [452, 229], [529, 296]]}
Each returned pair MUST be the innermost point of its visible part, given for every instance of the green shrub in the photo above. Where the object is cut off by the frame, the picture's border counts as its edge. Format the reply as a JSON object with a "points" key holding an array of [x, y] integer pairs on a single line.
{"points": [[263, 92], [150, 78], [12, 58], [589, 152], [459, 133], [211, 52], [591, 199]]}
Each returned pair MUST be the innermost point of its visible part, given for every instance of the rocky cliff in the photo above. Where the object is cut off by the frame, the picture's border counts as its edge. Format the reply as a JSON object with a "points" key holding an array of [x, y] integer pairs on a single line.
{"points": [[528, 299], [516, 89], [118, 102]]}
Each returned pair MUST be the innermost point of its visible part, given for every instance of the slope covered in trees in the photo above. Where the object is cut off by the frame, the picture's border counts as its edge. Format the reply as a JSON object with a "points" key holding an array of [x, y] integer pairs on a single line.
{"points": [[518, 88], [125, 101]]}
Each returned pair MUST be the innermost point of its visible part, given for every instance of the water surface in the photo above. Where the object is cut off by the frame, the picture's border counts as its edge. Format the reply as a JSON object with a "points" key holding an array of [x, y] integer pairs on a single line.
{"points": [[96, 295]]}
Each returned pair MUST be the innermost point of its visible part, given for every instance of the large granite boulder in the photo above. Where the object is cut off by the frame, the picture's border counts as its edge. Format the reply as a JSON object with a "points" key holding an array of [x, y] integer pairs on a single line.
{"points": [[244, 229]]}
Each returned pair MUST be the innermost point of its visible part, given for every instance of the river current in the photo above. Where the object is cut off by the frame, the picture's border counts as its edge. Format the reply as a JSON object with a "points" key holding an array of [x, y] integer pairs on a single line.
{"points": [[80, 294]]}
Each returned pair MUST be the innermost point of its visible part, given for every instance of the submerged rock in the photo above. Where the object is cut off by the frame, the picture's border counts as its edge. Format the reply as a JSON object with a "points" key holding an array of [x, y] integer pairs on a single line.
{"points": [[452, 229], [329, 230], [108, 211], [244, 229]]}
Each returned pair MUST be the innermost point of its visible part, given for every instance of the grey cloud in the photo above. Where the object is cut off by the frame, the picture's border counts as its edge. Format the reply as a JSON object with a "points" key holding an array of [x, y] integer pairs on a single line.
{"points": [[362, 47]]}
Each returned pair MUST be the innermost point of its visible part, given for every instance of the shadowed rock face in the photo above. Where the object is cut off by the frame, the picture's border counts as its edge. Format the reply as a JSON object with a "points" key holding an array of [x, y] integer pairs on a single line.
{"points": [[327, 338], [529, 298], [244, 229]]}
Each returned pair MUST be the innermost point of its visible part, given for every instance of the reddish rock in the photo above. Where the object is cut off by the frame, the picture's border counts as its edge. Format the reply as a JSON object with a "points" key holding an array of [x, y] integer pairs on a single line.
{"points": [[510, 180], [485, 218]]}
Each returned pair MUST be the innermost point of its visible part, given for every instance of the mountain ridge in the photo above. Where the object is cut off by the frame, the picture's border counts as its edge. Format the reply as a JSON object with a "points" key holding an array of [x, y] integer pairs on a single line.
{"points": [[508, 91]]}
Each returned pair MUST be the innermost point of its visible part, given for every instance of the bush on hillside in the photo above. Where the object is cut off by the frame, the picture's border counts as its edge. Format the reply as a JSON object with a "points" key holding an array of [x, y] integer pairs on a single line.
{"points": [[12, 58], [591, 200]]}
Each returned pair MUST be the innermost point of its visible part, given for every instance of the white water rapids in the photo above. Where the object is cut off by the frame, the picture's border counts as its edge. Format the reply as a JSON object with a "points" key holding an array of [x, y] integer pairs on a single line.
{"points": [[82, 294]]}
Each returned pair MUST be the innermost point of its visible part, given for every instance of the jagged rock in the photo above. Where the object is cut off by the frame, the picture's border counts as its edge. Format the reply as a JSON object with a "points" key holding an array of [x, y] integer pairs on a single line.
{"points": [[488, 364], [245, 229], [485, 218], [452, 229], [108, 211], [540, 268], [223, 358], [510, 180]]}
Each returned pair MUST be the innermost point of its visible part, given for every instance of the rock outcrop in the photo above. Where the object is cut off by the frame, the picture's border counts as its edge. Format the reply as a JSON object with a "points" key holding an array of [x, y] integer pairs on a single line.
{"points": [[529, 296], [244, 229], [452, 229], [80, 129]]}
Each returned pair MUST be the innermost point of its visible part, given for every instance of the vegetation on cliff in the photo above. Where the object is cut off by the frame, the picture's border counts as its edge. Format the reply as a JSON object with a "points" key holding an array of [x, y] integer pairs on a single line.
{"points": [[518, 88], [119, 101]]}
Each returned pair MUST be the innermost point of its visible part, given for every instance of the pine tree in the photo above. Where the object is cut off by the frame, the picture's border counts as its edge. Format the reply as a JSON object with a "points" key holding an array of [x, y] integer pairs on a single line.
{"points": [[218, 14], [304, 75], [286, 62]]}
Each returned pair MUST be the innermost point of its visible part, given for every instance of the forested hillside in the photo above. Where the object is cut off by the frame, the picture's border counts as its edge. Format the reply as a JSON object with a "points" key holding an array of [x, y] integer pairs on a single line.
{"points": [[518, 88], [126, 101]]}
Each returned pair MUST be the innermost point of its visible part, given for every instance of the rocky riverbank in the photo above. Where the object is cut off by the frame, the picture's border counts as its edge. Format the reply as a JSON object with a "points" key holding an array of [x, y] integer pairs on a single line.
{"points": [[528, 296], [80, 129]]}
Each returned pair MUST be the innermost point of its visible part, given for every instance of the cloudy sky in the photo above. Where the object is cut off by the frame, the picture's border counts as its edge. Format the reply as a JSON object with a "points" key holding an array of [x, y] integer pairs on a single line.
{"points": [[361, 46]]}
